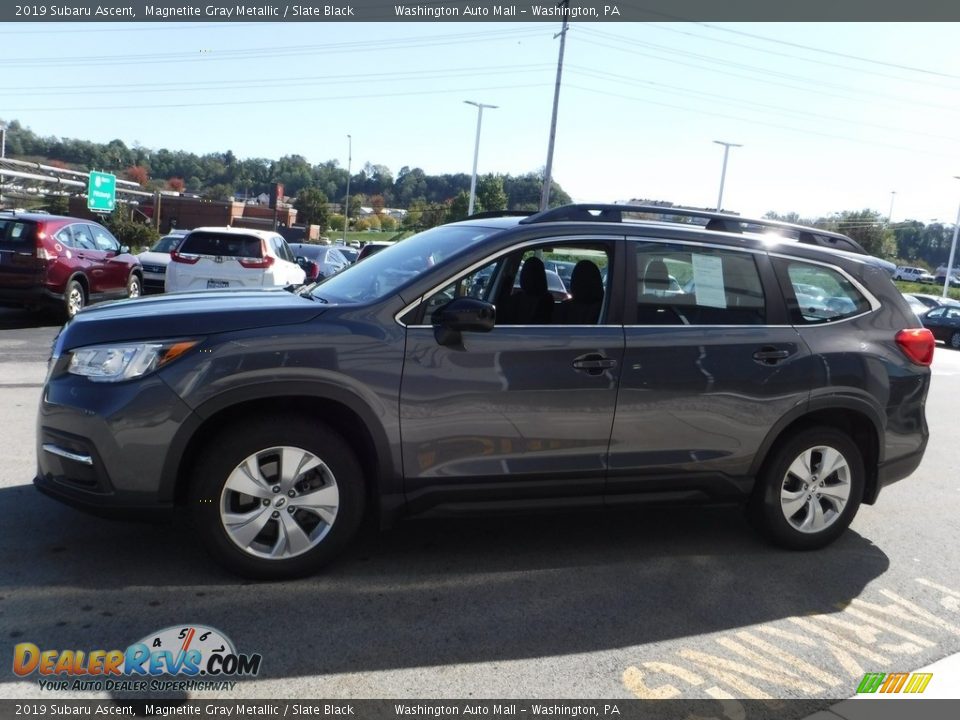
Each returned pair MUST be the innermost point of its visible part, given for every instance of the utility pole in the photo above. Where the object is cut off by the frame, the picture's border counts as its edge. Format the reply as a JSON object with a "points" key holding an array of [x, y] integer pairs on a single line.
{"points": [[893, 194], [953, 249], [723, 173], [3, 154], [548, 171], [346, 205]]}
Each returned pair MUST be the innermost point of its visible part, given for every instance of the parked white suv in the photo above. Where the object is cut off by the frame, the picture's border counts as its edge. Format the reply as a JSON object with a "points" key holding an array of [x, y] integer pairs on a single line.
{"points": [[913, 274], [211, 258]]}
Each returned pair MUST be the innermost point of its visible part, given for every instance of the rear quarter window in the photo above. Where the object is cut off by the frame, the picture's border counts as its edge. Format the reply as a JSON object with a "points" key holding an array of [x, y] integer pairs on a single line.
{"points": [[818, 294], [222, 244]]}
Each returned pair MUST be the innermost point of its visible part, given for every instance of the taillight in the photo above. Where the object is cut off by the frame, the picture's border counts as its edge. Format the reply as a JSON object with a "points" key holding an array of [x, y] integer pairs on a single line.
{"points": [[44, 254], [188, 259], [917, 344], [260, 262]]}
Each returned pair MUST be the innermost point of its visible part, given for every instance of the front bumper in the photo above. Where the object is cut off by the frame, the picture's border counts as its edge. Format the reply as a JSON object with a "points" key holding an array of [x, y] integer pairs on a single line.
{"points": [[102, 447]]}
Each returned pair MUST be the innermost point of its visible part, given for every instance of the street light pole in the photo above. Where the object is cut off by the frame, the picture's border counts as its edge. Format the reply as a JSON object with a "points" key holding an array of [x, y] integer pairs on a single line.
{"points": [[346, 204], [953, 249], [476, 151], [723, 173]]}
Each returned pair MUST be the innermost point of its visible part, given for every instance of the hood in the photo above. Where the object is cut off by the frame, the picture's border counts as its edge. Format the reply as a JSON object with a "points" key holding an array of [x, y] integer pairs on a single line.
{"points": [[185, 315]]}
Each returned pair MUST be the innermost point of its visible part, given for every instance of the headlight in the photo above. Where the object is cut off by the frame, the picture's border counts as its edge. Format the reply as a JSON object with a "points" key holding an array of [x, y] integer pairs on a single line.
{"points": [[126, 361]]}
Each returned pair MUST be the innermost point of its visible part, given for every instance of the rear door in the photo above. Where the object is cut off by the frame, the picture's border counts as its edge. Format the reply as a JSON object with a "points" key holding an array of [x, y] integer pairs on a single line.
{"points": [[19, 266], [711, 366]]}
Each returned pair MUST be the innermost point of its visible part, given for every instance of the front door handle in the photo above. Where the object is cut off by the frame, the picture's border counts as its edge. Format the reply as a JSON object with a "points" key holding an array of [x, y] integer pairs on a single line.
{"points": [[594, 363], [770, 355]]}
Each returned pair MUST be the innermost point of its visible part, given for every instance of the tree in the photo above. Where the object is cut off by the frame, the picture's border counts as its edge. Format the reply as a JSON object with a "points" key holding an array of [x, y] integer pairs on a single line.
{"points": [[176, 184], [311, 205], [336, 222], [459, 206], [867, 228], [138, 174], [219, 192], [490, 193]]}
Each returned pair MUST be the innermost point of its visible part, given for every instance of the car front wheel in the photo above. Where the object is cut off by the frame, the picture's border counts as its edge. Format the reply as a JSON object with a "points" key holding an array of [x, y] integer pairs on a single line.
{"points": [[277, 498], [955, 340], [810, 489]]}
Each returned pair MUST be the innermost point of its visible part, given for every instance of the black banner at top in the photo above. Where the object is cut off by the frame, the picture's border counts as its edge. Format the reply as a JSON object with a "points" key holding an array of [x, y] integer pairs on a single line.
{"points": [[479, 10]]}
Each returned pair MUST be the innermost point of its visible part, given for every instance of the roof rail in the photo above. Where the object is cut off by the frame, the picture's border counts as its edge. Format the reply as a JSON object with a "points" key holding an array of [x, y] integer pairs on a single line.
{"points": [[716, 221], [500, 213]]}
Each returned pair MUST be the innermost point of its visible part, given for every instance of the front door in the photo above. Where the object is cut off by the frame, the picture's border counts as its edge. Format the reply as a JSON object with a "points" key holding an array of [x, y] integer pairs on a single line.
{"points": [[522, 413]]}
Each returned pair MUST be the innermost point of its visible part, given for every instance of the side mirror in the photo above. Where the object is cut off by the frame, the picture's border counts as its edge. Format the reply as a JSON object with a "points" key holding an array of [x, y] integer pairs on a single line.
{"points": [[460, 315], [124, 249]]}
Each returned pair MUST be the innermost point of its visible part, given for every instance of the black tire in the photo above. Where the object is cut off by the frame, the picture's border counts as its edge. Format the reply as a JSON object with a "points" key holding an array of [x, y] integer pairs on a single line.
{"points": [[209, 496], [74, 299], [768, 512], [134, 286], [955, 340]]}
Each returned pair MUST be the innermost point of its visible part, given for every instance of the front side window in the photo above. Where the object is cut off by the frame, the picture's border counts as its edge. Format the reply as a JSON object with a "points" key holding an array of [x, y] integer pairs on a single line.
{"points": [[103, 239], [820, 294], [691, 285], [526, 288]]}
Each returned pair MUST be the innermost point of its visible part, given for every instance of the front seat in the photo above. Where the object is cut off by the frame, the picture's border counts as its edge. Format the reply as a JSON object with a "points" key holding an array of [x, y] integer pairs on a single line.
{"points": [[533, 304], [656, 278], [586, 290]]}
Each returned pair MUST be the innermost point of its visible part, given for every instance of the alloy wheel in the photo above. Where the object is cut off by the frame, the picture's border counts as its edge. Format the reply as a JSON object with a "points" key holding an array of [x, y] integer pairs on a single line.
{"points": [[279, 503], [815, 489]]}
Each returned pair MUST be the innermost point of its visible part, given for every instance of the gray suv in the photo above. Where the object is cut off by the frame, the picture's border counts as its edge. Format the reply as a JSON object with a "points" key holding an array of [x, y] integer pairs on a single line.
{"points": [[690, 362]]}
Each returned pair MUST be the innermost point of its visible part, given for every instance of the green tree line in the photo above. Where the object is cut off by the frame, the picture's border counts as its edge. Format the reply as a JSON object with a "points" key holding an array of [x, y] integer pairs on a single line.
{"points": [[222, 175]]}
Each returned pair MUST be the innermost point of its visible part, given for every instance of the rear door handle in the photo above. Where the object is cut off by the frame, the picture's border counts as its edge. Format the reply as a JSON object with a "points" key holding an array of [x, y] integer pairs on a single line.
{"points": [[594, 363]]}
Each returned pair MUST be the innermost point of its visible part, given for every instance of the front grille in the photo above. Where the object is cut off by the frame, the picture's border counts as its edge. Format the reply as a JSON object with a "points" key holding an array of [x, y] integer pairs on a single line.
{"points": [[159, 269]]}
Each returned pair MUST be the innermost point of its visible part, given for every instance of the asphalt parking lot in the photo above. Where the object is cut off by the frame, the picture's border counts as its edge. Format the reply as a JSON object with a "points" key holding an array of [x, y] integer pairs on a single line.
{"points": [[663, 602]]}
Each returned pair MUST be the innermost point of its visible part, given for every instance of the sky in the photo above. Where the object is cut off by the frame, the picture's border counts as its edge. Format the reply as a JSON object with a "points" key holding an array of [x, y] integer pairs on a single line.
{"points": [[831, 117]]}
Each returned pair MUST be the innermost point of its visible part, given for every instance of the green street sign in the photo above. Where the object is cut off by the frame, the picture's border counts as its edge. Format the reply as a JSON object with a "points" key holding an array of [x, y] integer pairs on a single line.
{"points": [[102, 192]]}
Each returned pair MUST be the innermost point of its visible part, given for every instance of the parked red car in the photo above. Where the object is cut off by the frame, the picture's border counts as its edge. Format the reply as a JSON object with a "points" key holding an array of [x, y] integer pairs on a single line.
{"points": [[64, 262]]}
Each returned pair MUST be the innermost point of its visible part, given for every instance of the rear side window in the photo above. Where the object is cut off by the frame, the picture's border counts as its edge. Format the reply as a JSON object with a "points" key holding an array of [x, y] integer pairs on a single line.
{"points": [[820, 294], [691, 285], [222, 244], [16, 233]]}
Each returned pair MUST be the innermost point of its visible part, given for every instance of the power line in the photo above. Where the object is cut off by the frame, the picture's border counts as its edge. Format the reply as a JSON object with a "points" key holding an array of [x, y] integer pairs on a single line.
{"points": [[800, 57], [413, 42], [830, 52]]}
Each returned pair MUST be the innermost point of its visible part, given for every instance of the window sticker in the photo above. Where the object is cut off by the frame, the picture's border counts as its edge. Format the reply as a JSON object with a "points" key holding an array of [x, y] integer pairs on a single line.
{"points": [[708, 276]]}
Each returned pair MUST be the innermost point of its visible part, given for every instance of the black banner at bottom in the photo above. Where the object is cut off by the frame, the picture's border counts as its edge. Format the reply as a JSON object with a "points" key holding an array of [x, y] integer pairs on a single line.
{"points": [[874, 708]]}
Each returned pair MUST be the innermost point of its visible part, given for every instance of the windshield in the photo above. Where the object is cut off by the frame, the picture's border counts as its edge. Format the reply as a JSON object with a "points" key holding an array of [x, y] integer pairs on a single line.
{"points": [[381, 274]]}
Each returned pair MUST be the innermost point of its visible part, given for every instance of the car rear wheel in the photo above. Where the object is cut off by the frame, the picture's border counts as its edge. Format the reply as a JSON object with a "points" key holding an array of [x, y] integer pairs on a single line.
{"points": [[74, 298], [277, 498], [809, 490], [955, 340], [134, 286]]}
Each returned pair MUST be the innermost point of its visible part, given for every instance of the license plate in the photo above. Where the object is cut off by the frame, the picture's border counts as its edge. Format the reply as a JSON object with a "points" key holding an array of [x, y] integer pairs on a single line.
{"points": [[217, 284]]}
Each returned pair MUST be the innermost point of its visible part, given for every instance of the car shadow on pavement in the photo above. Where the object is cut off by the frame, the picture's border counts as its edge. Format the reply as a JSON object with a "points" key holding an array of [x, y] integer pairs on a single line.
{"points": [[11, 319], [426, 593]]}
